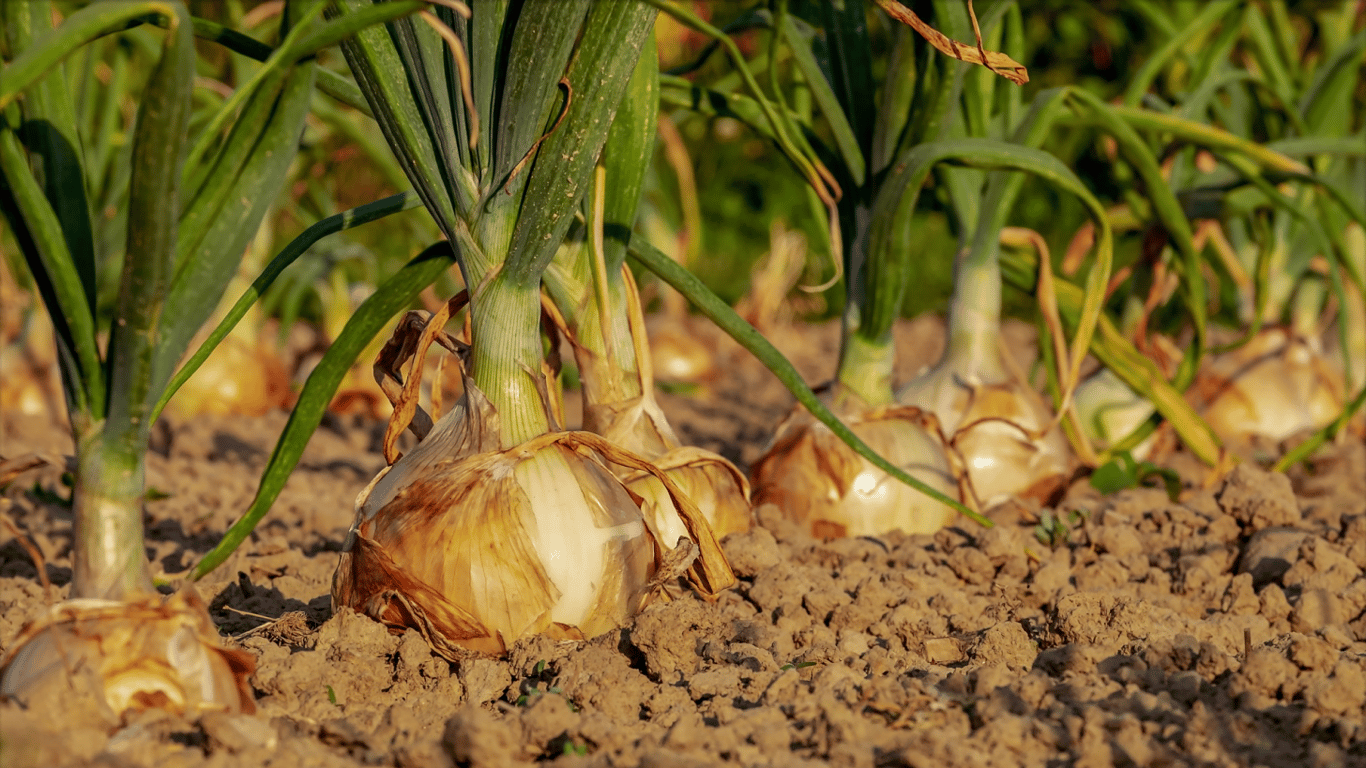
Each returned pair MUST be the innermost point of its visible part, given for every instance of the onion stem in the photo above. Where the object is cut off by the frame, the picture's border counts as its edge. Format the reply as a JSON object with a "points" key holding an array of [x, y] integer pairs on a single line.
{"points": [[108, 557], [973, 348], [506, 356]]}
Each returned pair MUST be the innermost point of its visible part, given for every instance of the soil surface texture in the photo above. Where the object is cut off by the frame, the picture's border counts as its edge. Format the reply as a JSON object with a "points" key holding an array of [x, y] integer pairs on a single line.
{"points": [[1225, 628]]}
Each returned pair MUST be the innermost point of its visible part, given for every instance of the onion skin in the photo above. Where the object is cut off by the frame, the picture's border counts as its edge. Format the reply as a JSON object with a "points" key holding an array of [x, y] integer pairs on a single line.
{"points": [[127, 657], [1110, 411], [477, 548], [1268, 390], [237, 379], [823, 485], [679, 357], [718, 489], [993, 429]]}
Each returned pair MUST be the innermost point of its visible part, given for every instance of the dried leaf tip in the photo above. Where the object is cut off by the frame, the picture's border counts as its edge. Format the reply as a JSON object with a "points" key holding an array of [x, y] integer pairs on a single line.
{"points": [[995, 61]]}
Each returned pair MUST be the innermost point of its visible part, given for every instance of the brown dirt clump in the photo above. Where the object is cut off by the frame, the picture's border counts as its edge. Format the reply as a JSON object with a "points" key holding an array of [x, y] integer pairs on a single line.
{"points": [[1227, 628]]}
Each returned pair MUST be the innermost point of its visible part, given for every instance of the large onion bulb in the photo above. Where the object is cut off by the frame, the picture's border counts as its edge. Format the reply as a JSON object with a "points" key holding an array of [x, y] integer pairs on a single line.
{"points": [[477, 547]]}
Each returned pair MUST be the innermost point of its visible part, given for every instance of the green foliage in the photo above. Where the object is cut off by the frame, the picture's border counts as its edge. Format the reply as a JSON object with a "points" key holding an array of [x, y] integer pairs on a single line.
{"points": [[1123, 472]]}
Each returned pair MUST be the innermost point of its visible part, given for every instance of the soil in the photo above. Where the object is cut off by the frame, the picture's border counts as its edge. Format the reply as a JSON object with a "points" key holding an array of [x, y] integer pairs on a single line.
{"points": [[1226, 628]]}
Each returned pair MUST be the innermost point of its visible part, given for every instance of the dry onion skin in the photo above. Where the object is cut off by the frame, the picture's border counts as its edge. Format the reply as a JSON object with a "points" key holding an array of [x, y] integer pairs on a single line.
{"points": [[127, 657], [1002, 433], [1275, 386], [637, 424], [714, 484], [477, 547], [823, 485]]}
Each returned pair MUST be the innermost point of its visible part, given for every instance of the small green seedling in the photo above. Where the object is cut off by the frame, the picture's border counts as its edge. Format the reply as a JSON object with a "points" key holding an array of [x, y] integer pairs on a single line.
{"points": [[1124, 472]]}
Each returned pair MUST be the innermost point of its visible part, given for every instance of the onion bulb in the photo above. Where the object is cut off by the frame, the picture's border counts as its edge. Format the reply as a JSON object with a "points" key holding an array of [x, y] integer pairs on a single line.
{"points": [[477, 547], [1110, 411], [1269, 389], [238, 378], [680, 357], [619, 404], [1001, 432], [823, 485], [127, 657]]}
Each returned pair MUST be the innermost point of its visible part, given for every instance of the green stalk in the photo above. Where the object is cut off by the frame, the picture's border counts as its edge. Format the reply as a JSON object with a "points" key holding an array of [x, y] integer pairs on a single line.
{"points": [[586, 281], [506, 356], [107, 535], [108, 559]]}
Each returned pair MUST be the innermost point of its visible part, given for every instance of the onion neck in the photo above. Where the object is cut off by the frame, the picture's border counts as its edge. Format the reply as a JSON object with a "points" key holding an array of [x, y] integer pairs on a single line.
{"points": [[506, 357], [607, 363], [865, 367], [973, 351], [108, 558]]}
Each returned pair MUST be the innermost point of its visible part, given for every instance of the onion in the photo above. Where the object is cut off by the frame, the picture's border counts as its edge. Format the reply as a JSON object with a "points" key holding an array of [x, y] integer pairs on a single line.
{"points": [[1001, 431], [238, 378], [823, 485], [127, 657], [1110, 411], [680, 357], [1276, 385], [477, 547], [999, 428]]}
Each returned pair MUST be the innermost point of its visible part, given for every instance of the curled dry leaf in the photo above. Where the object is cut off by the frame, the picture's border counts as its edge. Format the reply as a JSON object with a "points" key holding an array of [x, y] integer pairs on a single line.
{"points": [[821, 483], [995, 61], [638, 425], [715, 485], [126, 657]]}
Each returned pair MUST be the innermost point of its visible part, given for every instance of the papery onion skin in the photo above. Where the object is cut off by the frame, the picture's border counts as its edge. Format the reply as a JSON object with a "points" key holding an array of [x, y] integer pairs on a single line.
{"points": [[713, 483], [1275, 386], [483, 548], [236, 379], [127, 657], [679, 357], [823, 485], [993, 430]]}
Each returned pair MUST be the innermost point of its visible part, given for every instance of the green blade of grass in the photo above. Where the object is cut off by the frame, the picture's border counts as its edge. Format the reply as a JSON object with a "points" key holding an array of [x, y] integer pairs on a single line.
{"points": [[391, 297]]}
